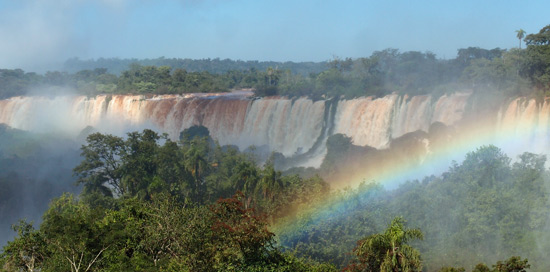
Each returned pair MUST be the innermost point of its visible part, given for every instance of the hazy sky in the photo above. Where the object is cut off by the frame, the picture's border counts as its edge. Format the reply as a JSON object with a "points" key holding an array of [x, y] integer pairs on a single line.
{"points": [[38, 34]]}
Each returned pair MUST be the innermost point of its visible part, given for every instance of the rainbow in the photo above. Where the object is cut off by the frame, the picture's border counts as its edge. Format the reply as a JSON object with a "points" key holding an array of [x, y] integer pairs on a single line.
{"points": [[527, 131]]}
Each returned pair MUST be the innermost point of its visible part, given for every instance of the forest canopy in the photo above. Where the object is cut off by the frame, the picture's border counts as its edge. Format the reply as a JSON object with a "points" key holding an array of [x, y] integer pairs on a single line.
{"points": [[148, 203]]}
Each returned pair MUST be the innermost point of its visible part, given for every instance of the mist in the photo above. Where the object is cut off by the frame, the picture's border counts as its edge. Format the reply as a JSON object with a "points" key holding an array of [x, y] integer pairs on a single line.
{"points": [[427, 110], [34, 169]]}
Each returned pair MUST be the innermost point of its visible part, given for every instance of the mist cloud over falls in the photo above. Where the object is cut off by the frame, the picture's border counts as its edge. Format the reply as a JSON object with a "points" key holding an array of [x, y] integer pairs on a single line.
{"points": [[40, 35]]}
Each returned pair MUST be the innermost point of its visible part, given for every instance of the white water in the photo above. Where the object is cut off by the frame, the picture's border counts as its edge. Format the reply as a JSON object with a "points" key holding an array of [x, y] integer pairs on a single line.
{"points": [[288, 126]]}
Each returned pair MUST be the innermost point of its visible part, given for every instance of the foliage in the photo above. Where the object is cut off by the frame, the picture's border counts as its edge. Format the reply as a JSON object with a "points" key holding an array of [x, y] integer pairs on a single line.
{"points": [[242, 237], [16, 82], [148, 204], [481, 267], [157, 235], [452, 269], [213, 66], [388, 251], [26, 252], [101, 167], [480, 210], [536, 66], [151, 204], [514, 264], [520, 35], [192, 132], [73, 233]]}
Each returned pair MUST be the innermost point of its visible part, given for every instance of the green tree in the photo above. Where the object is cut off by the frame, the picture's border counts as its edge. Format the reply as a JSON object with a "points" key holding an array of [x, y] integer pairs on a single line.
{"points": [[26, 252], [537, 61], [520, 34], [389, 251], [242, 237], [513, 264], [338, 145], [270, 183], [268, 82], [481, 267], [100, 168], [452, 269], [140, 162], [198, 164], [172, 176], [245, 179], [74, 235], [192, 132]]}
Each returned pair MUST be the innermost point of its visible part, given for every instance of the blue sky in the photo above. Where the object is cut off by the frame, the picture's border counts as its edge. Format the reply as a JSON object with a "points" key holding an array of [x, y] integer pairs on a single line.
{"points": [[39, 34]]}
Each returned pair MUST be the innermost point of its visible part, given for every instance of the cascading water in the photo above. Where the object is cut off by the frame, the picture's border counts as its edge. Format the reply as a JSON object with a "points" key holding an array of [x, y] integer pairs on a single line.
{"points": [[374, 122], [294, 127], [527, 122]]}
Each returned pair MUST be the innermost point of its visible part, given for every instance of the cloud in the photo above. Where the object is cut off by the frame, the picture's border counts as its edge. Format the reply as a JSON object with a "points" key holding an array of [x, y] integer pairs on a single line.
{"points": [[40, 35]]}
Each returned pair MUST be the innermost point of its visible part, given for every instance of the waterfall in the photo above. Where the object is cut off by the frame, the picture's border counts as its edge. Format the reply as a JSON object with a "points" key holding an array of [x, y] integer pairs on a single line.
{"points": [[295, 127]]}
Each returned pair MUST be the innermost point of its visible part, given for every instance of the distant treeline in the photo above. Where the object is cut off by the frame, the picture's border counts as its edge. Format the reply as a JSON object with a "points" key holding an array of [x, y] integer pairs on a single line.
{"points": [[213, 66], [510, 72]]}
